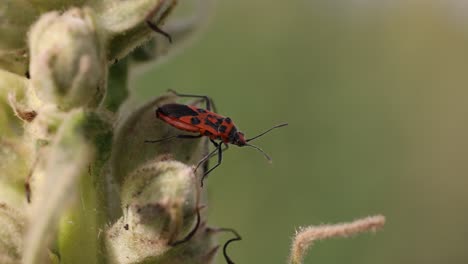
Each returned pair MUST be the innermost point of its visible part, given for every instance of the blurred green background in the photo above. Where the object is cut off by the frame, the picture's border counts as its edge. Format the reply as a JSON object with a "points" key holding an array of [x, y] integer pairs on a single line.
{"points": [[375, 95]]}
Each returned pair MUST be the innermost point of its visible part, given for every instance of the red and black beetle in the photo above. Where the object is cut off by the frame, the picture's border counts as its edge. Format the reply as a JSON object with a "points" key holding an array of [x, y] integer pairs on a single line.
{"points": [[205, 123]]}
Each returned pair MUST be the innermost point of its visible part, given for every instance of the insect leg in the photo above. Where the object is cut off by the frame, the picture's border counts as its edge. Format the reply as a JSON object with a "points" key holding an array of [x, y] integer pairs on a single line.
{"points": [[205, 158], [197, 224], [209, 156], [154, 27], [209, 102], [220, 158], [192, 233], [236, 238], [171, 137]]}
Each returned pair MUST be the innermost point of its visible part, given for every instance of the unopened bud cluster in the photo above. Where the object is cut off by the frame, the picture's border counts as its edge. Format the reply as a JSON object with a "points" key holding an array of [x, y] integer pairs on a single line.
{"points": [[77, 182]]}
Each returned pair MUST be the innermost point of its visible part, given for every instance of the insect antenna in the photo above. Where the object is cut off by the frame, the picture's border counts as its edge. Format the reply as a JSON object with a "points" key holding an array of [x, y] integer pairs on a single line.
{"points": [[261, 150], [171, 137], [160, 140], [280, 125]]}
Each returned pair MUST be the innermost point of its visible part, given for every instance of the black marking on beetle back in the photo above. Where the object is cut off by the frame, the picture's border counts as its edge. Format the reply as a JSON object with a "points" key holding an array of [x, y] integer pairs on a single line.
{"points": [[228, 120], [194, 121], [211, 124], [222, 129], [176, 110], [232, 134]]}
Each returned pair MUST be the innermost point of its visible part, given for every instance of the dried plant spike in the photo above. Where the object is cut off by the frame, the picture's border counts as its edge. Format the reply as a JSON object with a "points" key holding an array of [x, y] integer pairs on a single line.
{"points": [[305, 237]]}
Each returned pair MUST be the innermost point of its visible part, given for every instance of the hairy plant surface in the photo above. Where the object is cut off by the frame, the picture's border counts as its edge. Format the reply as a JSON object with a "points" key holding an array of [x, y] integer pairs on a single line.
{"points": [[78, 184]]}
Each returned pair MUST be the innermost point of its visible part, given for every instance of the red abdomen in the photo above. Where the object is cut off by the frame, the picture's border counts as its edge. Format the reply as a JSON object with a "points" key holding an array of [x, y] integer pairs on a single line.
{"points": [[197, 120]]}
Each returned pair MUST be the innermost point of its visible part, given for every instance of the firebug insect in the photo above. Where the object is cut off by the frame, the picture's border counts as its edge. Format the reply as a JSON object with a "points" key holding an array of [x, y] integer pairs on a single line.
{"points": [[205, 123]]}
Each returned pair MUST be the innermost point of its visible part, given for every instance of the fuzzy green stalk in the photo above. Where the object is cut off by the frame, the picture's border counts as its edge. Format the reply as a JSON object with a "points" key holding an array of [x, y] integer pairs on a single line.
{"points": [[60, 124], [78, 183]]}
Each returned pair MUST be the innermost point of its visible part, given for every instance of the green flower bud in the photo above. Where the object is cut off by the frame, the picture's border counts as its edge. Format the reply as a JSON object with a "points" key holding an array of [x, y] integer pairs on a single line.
{"points": [[120, 16], [159, 203], [183, 28], [67, 59], [125, 22], [160, 196]]}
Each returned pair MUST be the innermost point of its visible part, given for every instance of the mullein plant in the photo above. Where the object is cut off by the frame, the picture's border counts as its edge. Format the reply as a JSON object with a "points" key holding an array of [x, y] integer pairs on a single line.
{"points": [[78, 184]]}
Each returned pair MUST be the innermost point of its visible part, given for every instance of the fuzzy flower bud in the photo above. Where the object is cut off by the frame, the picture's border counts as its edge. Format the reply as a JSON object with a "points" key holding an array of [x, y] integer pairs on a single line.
{"points": [[125, 22], [159, 203], [67, 59]]}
